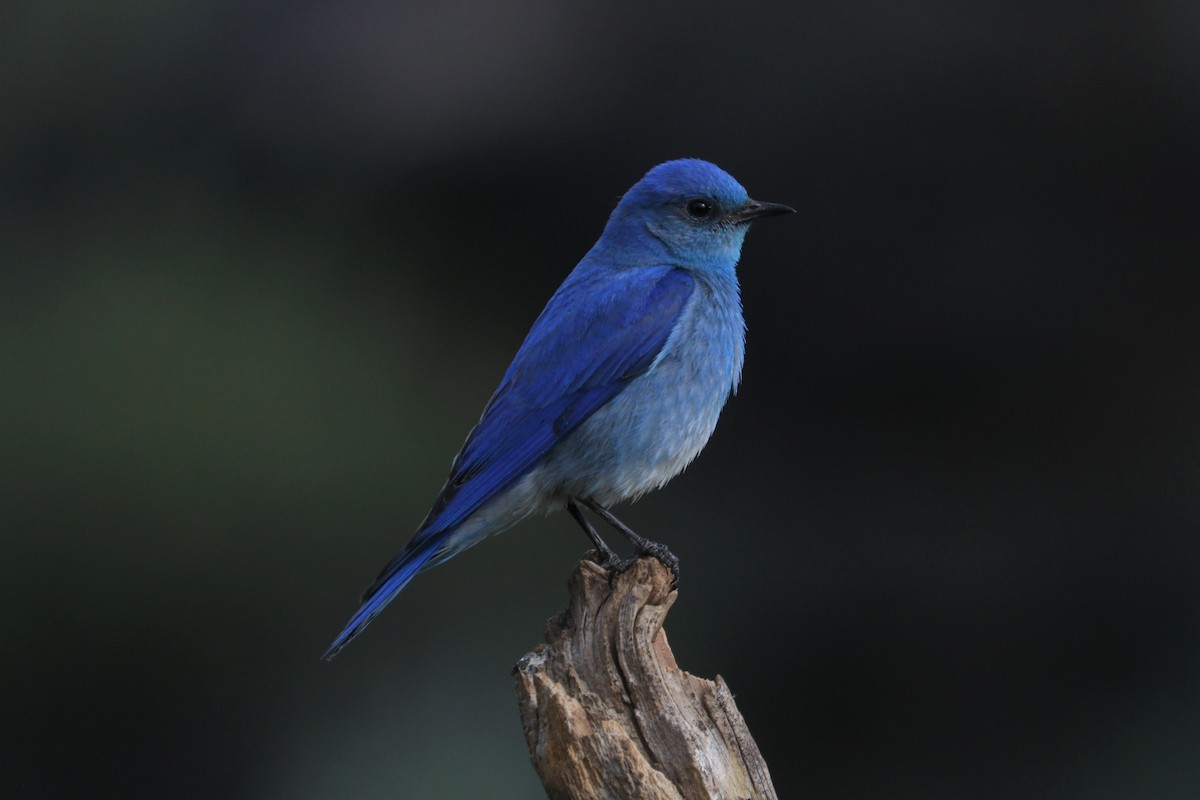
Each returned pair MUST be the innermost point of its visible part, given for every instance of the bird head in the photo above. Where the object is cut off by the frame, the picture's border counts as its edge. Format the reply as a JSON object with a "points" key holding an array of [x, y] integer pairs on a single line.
{"points": [[696, 210]]}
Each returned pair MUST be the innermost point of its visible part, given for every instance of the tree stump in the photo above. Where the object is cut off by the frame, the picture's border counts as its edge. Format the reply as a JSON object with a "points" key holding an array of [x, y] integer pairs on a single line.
{"points": [[608, 714]]}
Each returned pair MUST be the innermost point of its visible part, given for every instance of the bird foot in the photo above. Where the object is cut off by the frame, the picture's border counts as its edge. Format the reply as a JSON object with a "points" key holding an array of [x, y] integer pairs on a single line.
{"points": [[605, 558], [655, 550]]}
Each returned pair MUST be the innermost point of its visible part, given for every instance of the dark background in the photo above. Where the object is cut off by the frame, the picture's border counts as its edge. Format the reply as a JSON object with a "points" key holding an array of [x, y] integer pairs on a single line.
{"points": [[264, 262]]}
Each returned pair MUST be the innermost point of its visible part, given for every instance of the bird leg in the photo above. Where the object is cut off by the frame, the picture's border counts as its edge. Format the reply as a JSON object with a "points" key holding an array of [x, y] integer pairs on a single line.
{"points": [[644, 546], [608, 558]]}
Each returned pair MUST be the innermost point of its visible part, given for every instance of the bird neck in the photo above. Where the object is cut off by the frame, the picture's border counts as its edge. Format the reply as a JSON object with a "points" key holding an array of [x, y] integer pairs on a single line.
{"points": [[630, 241]]}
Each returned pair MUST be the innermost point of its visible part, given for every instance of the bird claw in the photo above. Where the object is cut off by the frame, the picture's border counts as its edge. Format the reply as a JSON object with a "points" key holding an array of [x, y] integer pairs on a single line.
{"points": [[667, 559]]}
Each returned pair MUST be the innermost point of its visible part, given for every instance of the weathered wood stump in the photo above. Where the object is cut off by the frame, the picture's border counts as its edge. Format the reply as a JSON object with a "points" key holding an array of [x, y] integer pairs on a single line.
{"points": [[608, 714]]}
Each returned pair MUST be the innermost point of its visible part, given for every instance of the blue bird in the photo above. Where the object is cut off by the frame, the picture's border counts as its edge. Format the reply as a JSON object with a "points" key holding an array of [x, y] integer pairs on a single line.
{"points": [[617, 386]]}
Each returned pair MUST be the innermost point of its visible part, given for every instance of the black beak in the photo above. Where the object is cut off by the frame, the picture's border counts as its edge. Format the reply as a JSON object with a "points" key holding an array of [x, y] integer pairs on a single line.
{"points": [[755, 210]]}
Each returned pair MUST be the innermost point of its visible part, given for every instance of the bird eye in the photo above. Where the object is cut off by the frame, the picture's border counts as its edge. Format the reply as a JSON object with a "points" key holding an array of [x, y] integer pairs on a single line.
{"points": [[699, 209]]}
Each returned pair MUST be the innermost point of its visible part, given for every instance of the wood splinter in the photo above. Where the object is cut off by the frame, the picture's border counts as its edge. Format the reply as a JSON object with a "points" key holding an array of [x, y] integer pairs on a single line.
{"points": [[608, 714]]}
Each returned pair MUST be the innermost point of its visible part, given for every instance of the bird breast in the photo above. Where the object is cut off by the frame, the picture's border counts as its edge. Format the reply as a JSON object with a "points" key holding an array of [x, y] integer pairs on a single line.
{"points": [[652, 430]]}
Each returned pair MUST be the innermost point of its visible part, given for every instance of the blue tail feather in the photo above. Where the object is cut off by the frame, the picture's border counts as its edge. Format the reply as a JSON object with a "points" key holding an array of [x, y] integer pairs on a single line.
{"points": [[391, 581]]}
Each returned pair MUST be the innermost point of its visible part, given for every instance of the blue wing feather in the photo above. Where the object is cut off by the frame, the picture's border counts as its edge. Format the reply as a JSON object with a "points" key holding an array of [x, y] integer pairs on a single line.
{"points": [[584, 348]]}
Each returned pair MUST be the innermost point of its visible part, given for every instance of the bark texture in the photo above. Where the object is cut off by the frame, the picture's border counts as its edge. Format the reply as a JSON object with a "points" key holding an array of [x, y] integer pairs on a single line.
{"points": [[608, 714]]}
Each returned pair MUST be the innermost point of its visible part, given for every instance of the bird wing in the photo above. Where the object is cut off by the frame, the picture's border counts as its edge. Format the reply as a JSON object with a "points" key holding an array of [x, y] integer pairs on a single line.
{"points": [[597, 333], [594, 336]]}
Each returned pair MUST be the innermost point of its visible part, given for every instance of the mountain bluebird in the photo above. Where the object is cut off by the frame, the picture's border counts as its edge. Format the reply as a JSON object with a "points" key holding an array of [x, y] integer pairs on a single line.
{"points": [[617, 386]]}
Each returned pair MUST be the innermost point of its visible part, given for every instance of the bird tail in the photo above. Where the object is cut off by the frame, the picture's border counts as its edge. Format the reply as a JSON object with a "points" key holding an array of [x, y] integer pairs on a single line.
{"points": [[394, 577]]}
